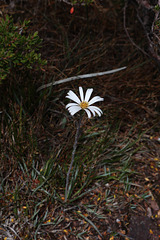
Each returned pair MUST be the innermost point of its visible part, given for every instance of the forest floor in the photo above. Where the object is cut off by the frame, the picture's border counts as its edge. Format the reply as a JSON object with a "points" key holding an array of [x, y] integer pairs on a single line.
{"points": [[120, 199]]}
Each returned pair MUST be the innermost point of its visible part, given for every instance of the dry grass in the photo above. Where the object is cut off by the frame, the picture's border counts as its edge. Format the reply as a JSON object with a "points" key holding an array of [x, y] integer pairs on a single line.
{"points": [[117, 166]]}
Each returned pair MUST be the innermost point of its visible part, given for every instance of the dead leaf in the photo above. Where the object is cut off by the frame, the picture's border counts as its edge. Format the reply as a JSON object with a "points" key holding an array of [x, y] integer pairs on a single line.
{"points": [[153, 205]]}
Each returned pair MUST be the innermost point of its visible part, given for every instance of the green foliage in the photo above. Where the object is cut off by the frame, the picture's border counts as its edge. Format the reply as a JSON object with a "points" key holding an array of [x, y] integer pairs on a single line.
{"points": [[18, 48], [156, 7]]}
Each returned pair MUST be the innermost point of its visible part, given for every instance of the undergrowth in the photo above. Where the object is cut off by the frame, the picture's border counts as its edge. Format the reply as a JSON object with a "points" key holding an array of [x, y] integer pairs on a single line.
{"points": [[19, 49], [31, 184], [37, 134]]}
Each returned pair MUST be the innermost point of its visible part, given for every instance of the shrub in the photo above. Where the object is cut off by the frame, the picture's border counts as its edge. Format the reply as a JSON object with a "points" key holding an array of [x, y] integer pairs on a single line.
{"points": [[18, 48]]}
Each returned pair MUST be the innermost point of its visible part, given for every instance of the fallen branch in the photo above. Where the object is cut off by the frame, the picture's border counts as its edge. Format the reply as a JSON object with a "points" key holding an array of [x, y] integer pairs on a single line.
{"points": [[79, 77]]}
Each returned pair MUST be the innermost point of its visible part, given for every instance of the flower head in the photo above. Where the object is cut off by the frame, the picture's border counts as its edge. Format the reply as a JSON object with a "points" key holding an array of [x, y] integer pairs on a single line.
{"points": [[83, 103]]}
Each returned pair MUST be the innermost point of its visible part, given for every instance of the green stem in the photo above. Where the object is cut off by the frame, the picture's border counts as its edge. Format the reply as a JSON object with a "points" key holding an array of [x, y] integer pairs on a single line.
{"points": [[72, 160]]}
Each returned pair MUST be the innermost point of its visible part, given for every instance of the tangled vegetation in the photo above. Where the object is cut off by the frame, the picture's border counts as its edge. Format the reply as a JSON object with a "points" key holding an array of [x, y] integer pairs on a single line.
{"points": [[114, 191]]}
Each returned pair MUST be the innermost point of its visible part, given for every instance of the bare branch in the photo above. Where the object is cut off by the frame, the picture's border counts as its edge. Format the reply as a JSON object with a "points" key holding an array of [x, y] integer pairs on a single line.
{"points": [[80, 77]]}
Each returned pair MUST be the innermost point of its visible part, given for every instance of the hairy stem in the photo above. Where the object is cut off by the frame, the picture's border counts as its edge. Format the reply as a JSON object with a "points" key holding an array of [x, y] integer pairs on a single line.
{"points": [[72, 160]]}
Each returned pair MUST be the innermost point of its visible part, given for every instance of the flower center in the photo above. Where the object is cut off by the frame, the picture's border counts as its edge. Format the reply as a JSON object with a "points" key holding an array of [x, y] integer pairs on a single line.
{"points": [[84, 105]]}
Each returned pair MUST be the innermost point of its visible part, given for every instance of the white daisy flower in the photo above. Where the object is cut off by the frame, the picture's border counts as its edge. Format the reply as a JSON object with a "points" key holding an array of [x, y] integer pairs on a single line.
{"points": [[83, 103]]}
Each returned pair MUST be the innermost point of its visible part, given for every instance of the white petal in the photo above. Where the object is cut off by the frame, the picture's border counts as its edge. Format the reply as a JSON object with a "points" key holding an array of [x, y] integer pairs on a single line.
{"points": [[71, 95], [92, 110], [96, 109], [74, 109], [88, 94], [95, 99], [81, 93], [88, 112], [71, 104]]}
